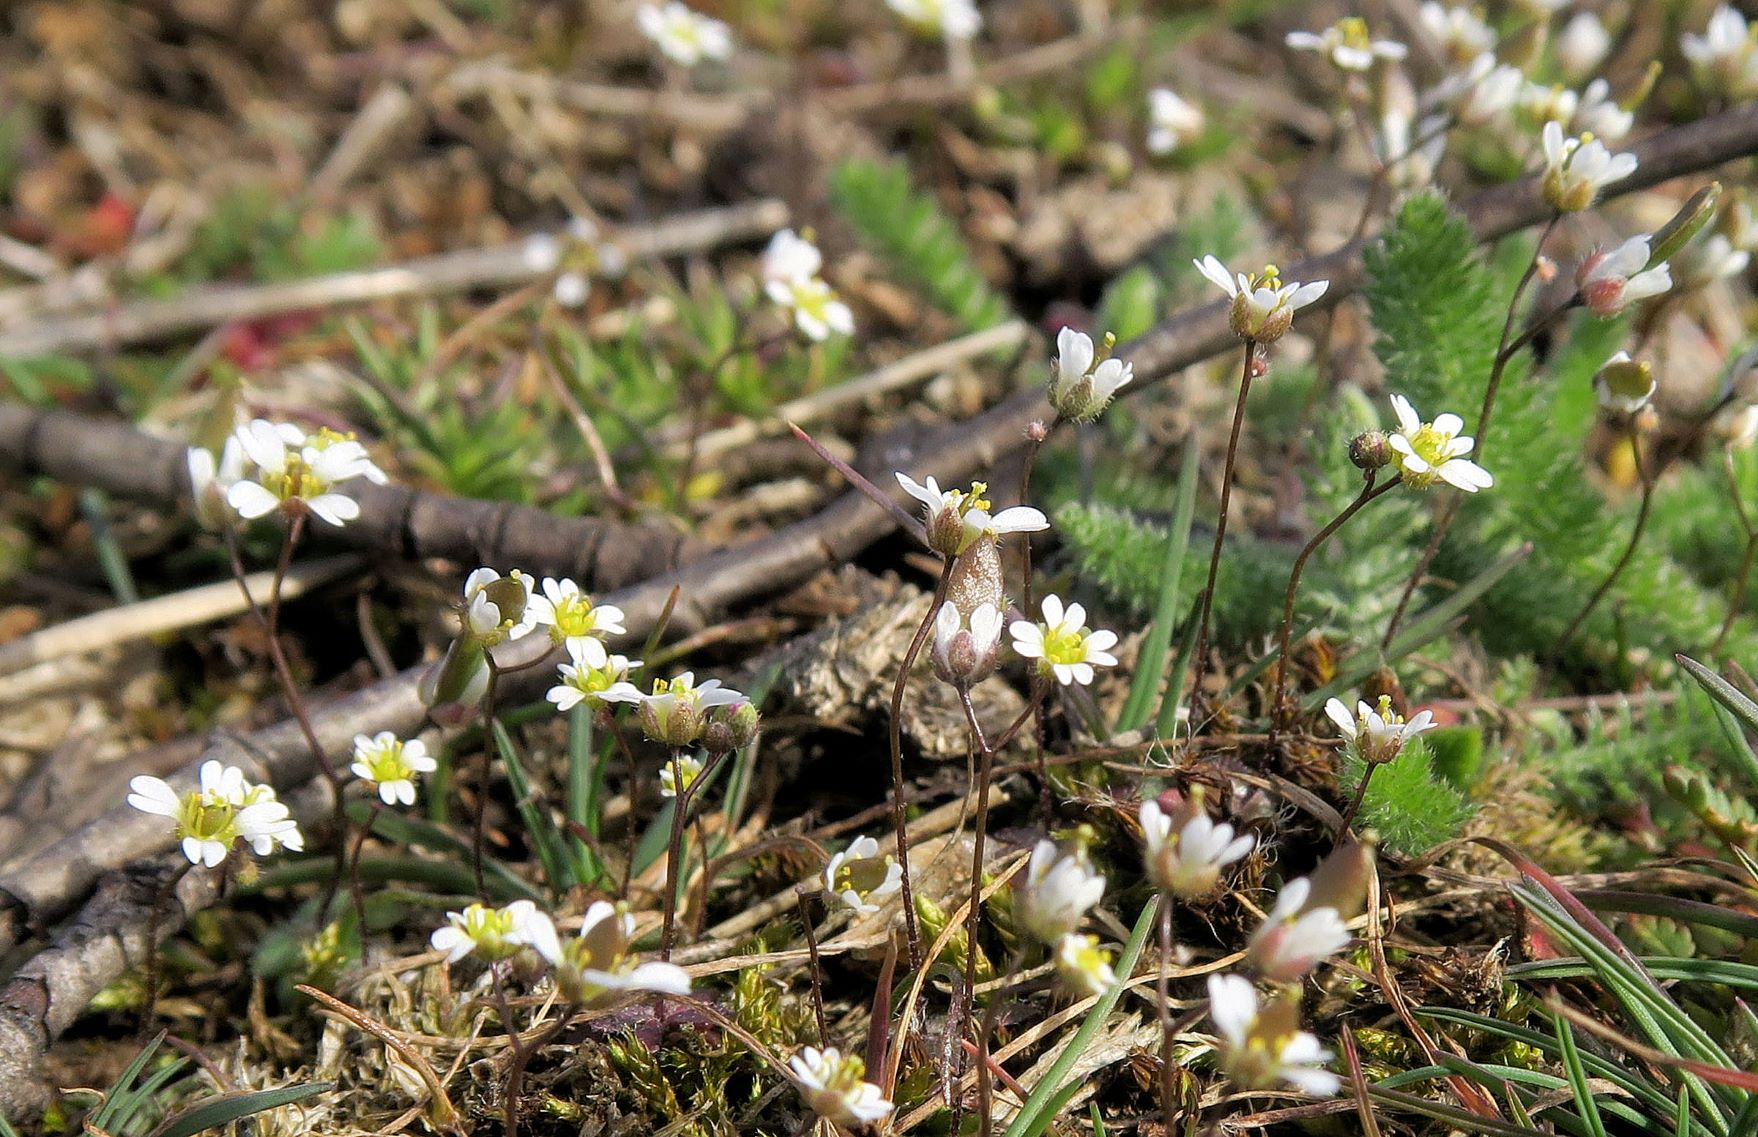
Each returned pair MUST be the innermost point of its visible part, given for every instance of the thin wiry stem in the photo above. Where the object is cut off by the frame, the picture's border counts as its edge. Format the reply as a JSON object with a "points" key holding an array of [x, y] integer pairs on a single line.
{"points": [[1507, 348], [972, 924], [1737, 600], [1629, 553], [803, 899], [1280, 685], [1163, 1003], [1202, 636], [898, 821]]}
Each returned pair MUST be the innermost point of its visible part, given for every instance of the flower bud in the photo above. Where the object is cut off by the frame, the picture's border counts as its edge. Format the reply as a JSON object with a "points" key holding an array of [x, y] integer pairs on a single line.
{"points": [[681, 725], [965, 652], [1250, 322], [1624, 385], [1371, 450], [730, 728]]}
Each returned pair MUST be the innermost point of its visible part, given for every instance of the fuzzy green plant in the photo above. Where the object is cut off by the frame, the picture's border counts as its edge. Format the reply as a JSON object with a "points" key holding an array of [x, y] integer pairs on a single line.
{"points": [[917, 239], [1438, 309], [1408, 804]]}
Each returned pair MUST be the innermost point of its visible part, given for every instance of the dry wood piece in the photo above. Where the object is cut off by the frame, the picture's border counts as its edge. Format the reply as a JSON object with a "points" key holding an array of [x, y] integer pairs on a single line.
{"points": [[428, 276], [394, 519], [42, 999]]}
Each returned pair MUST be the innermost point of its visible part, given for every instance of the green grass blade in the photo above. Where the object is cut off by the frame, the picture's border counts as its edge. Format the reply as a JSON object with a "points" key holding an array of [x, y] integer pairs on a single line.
{"points": [[402, 829], [1577, 1072], [1039, 1109], [1151, 661], [546, 838], [227, 1108]]}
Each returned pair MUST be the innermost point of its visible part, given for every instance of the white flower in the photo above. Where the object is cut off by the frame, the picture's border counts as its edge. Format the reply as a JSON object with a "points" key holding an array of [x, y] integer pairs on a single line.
{"points": [[1263, 306], [1187, 851], [1725, 56], [1459, 33], [1611, 281], [1081, 390], [496, 933], [1172, 121], [596, 966], [1057, 891], [1736, 427], [593, 683], [1293, 940], [540, 253], [1378, 734], [391, 764], [1708, 260], [963, 656], [293, 471], [1065, 648], [1435, 451], [1600, 115], [1623, 385], [1583, 45], [858, 876], [498, 608], [835, 1087], [817, 311], [572, 618], [223, 809], [210, 482], [1260, 1048], [683, 36], [1484, 91], [956, 519], [571, 289], [673, 712], [1576, 169], [948, 19], [1083, 966], [668, 775], [789, 257], [1348, 45]]}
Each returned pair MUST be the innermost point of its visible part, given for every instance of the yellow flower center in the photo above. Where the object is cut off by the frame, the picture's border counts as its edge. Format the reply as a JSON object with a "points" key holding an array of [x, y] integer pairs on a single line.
{"points": [[573, 617], [1065, 645], [1354, 31], [208, 817], [388, 765]]}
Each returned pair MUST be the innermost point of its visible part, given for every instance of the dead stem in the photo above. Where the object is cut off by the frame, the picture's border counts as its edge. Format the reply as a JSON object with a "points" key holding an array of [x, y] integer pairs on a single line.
{"points": [[817, 970]]}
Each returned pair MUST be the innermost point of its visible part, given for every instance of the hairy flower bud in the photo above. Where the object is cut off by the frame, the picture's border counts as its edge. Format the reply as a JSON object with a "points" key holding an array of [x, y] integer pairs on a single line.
{"points": [[965, 651], [1371, 450], [730, 728], [453, 688]]}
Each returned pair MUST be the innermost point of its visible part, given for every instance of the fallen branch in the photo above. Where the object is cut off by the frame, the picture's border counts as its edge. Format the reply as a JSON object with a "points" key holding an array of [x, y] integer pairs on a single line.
{"points": [[395, 520], [46, 888], [499, 266]]}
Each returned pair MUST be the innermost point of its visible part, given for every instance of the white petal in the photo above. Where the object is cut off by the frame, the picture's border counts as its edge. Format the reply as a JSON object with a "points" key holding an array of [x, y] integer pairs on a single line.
{"points": [[1217, 272], [1408, 420], [252, 500], [1020, 519], [1340, 715], [1074, 353], [1449, 423]]}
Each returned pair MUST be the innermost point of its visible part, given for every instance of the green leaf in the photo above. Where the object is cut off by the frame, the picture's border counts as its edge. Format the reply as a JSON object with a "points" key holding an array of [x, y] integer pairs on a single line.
{"points": [[227, 1108]]}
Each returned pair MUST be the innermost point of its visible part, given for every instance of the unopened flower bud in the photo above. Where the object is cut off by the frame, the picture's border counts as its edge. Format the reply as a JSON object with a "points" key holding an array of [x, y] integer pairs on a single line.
{"points": [[1624, 385], [730, 728], [1371, 450], [965, 652]]}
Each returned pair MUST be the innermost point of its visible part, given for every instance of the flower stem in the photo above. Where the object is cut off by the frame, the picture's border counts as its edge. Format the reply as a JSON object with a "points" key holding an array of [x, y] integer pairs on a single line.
{"points": [[490, 749], [1368, 492], [354, 889], [1605, 586], [674, 851], [1202, 635], [1163, 1002], [166, 891], [972, 923], [898, 821], [269, 620], [1355, 805], [803, 899], [1737, 599], [1035, 443], [1507, 348], [986, 1031]]}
